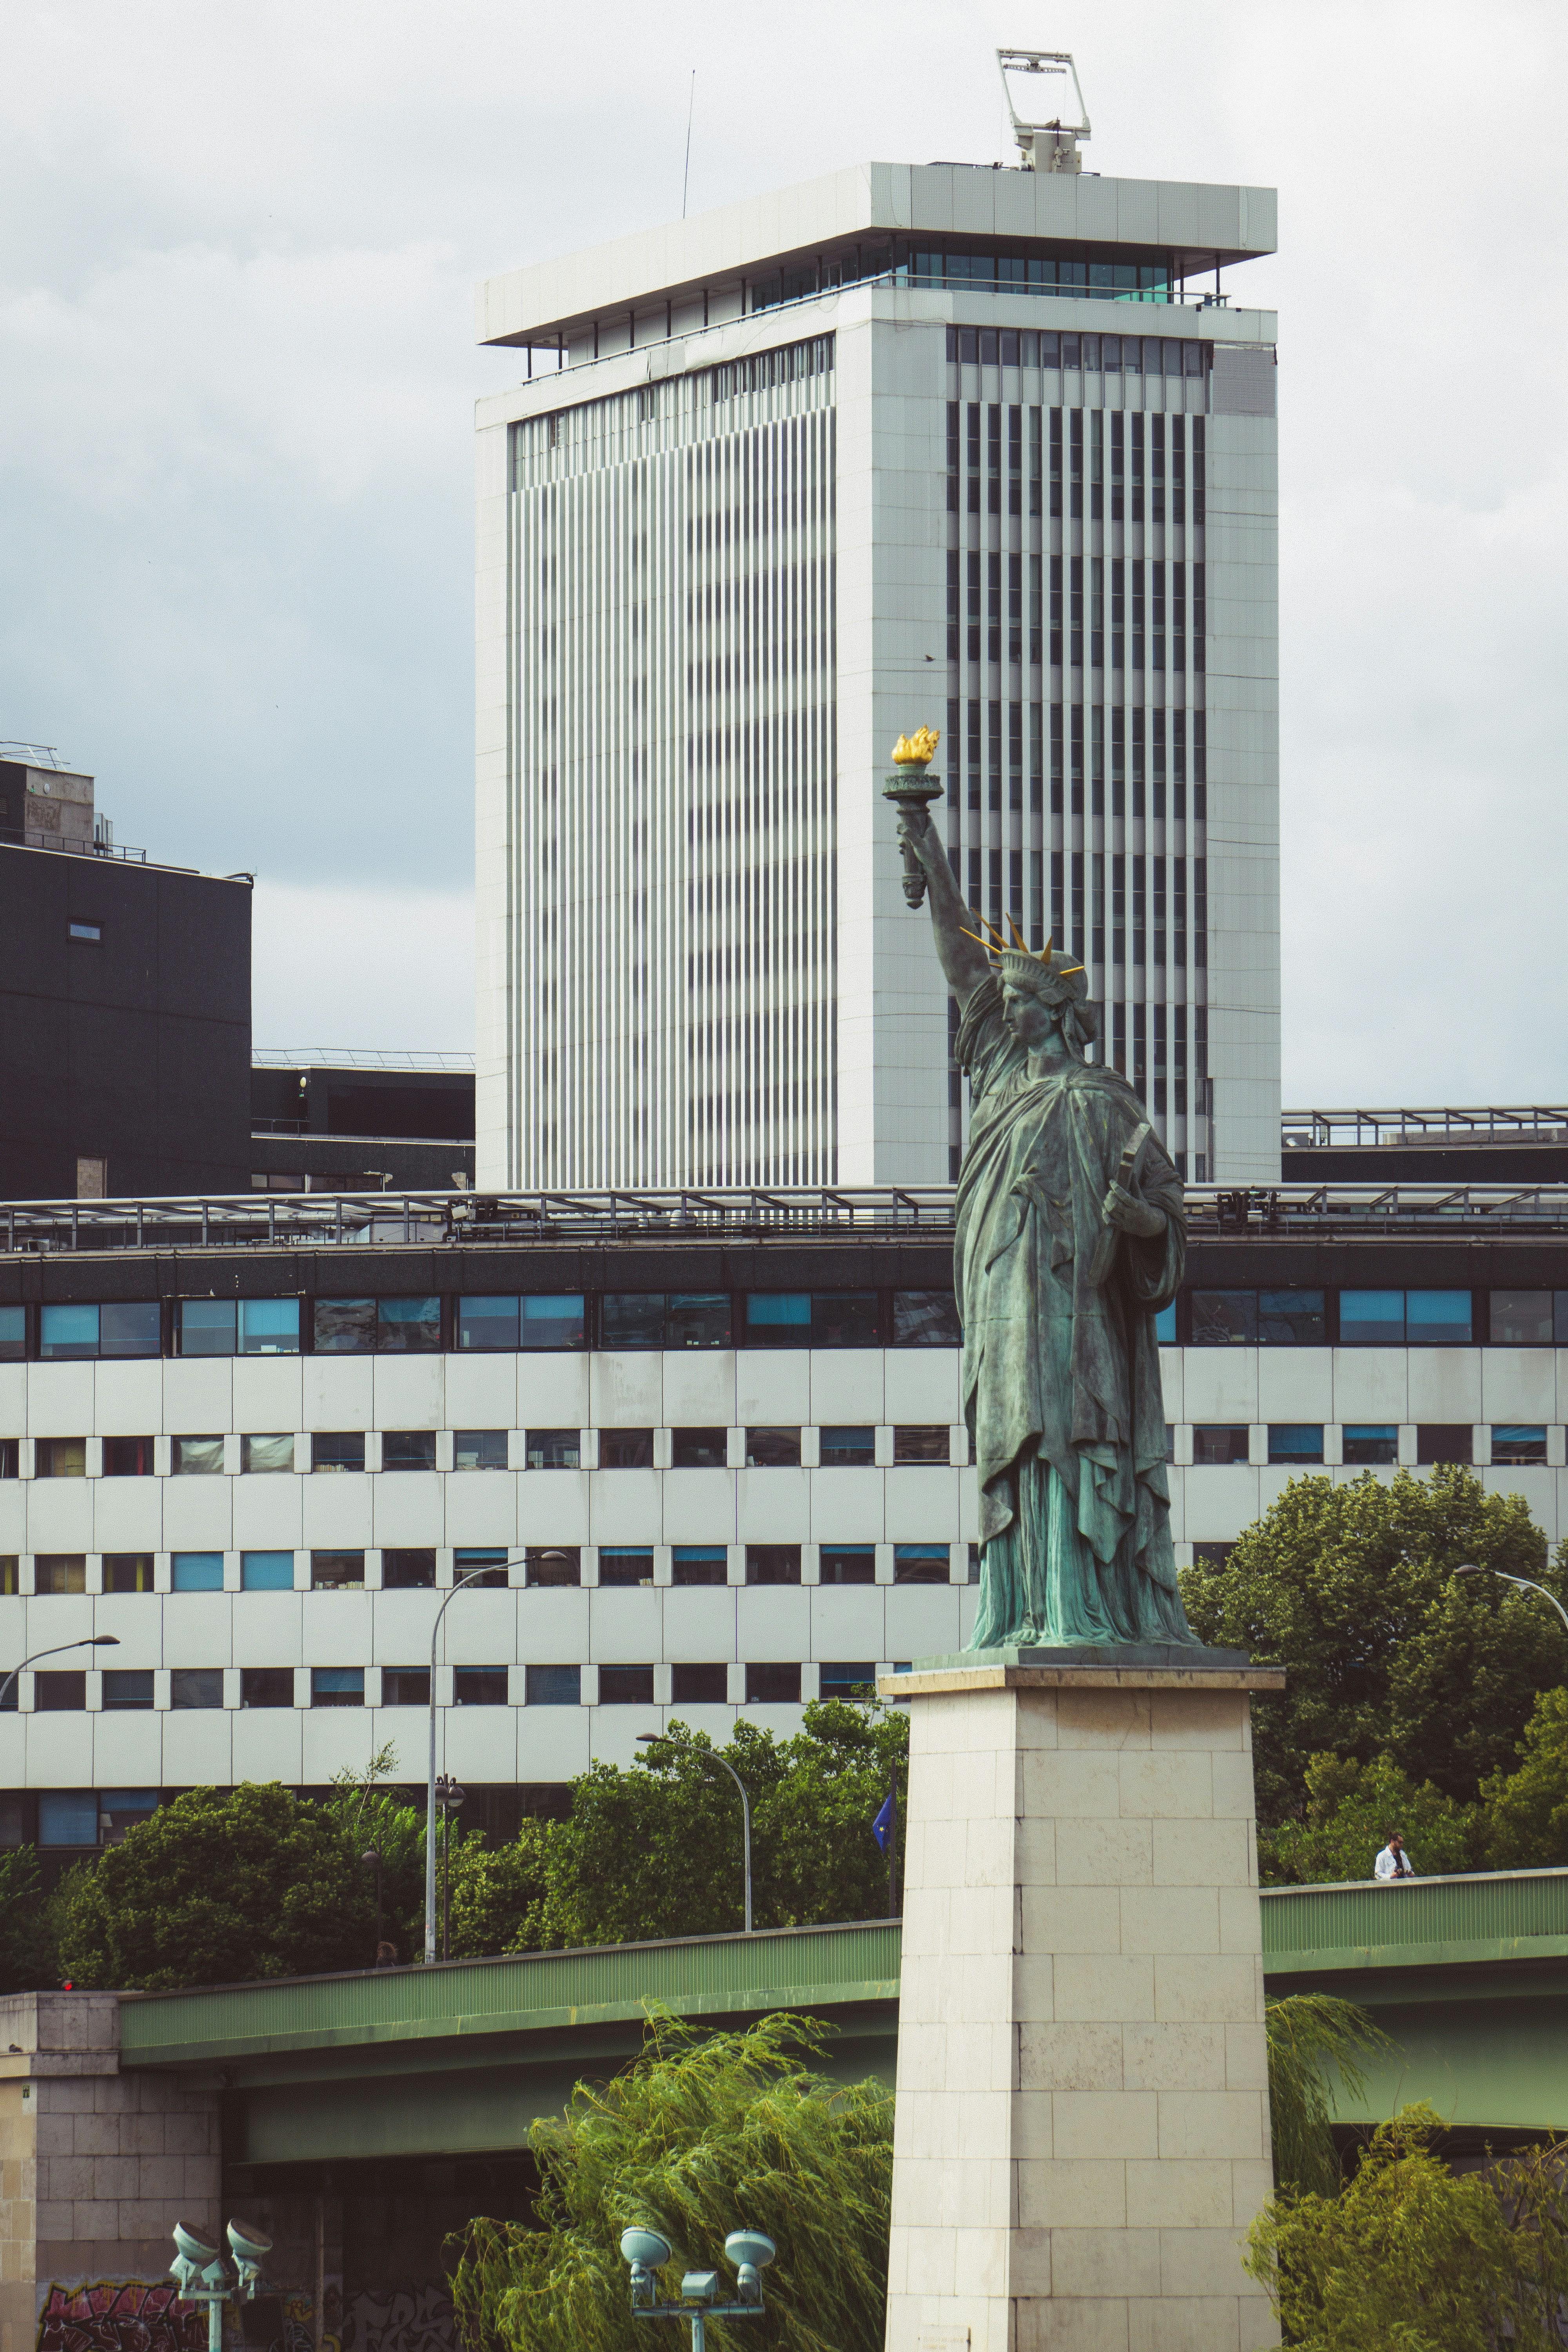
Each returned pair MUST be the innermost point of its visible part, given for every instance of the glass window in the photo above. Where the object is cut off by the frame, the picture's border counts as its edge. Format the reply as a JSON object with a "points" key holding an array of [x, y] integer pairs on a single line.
{"points": [[926, 1318], [553, 1685], [204, 1326], [337, 1449], [344, 1326], [1371, 1318], [845, 1318], [1519, 1444], [408, 1326], [1291, 1441], [408, 1449], [269, 1327], [1225, 1318], [1213, 1555], [120, 1809], [487, 1323], [920, 1563], [1165, 1325], [700, 1685], [551, 1322], [478, 1449], [130, 1327], [554, 1449], [59, 1571], [196, 1686], [128, 1458], [772, 1684], [1445, 1440], [1292, 1319], [697, 1318], [626, 1686], [552, 1565], [337, 1685], [772, 1449], [196, 1571], [10, 1458], [626, 1449], [13, 1334], [267, 1686], [847, 1678], [128, 1571], [267, 1452], [1521, 1319], [778, 1318], [921, 1442], [624, 1564], [848, 1564], [1219, 1441], [60, 1458], [1437, 1317], [1371, 1444], [698, 1449], [409, 1570], [700, 1564], [67, 1331], [633, 1319], [196, 1457], [478, 1686], [337, 1571], [1560, 1318], [267, 1571], [68, 1817], [772, 1563], [126, 1688], [849, 1449], [56, 1693], [406, 1685], [491, 1564]]}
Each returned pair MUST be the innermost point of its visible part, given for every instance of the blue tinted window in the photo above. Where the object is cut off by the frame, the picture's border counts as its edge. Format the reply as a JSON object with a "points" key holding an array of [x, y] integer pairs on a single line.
{"points": [[1517, 1444], [206, 1326], [269, 1327], [841, 1677], [1432, 1317], [1296, 1441], [337, 1685], [67, 1331], [553, 1685], [1225, 1318], [1165, 1326], [267, 1571], [1292, 1319], [487, 1323], [131, 1327], [68, 1817], [767, 1310], [408, 1325], [197, 1572], [919, 1564], [551, 1322], [13, 1333], [1371, 1442], [1372, 1317]]}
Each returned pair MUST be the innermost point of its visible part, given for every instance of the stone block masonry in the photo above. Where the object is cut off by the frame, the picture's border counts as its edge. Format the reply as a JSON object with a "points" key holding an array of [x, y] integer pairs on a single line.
{"points": [[1081, 2135]]}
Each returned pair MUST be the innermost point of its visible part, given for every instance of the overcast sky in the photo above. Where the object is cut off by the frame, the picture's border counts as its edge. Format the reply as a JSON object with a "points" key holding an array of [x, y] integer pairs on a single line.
{"points": [[237, 373]]}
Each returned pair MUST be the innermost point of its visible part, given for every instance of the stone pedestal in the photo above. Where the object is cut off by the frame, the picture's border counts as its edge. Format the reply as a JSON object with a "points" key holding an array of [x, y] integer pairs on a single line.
{"points": [[1082, 2120]]}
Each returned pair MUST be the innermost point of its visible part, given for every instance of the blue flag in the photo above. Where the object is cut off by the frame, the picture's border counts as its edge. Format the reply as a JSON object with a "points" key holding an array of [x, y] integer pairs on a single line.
{"points": [[882, 1827]]}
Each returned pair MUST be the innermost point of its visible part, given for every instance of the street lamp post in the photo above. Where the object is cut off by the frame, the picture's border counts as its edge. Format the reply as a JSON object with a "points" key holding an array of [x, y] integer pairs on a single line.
{"points": [[1525, 1583], [472, 1577], [450, 1795], [88, 1641], [193, 2261], [647, 2251], [371, 1858], [710, 1756]]}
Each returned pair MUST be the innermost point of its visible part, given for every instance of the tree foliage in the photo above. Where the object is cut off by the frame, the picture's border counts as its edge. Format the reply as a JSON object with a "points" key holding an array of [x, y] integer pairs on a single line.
{"points": [[1350, 1808], [1410, 2257], [698, 2136], [29, 1960], [1315, 2043], [1526, 1821], [1352, 1588]]}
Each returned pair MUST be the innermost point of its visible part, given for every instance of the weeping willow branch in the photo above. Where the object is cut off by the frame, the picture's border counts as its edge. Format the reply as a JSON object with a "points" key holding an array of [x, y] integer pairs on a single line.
{"points": [[1313, 2043]]}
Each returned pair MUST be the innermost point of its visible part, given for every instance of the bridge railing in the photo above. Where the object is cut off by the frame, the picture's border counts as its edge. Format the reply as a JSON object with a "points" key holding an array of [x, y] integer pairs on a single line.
{"points": [[1474, 1916]]}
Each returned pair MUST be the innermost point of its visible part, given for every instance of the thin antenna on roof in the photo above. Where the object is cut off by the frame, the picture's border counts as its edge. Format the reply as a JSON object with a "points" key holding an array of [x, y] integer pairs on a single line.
{"points": [[685, 175]]}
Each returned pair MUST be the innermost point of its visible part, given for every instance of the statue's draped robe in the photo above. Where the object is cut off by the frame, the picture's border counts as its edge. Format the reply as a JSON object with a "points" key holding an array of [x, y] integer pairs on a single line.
{"points": [[1062, 1378]]}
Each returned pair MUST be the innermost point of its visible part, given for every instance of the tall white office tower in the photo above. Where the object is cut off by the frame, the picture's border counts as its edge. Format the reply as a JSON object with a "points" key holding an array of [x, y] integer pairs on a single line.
{"points": [[983, 448]]}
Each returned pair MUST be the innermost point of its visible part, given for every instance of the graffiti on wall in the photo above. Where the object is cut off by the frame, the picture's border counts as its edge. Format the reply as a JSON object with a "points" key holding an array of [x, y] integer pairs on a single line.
{"points": [[120, 2316], [400, 2319]]}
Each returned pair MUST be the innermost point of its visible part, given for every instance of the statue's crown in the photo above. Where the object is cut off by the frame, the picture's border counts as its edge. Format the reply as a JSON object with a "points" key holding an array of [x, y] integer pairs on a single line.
{"points": [[1044, 974]]}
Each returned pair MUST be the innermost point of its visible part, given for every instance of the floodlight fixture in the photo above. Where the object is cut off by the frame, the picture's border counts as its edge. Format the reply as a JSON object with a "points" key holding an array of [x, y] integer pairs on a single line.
{"points": [[1047, 143]]}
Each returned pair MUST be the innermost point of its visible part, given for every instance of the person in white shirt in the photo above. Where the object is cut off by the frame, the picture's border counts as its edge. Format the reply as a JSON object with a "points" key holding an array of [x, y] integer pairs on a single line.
{"points": [[1393, 1861]]}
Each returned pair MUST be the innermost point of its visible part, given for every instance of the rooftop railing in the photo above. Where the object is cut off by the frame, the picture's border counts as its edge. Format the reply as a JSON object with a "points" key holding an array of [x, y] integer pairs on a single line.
{"points": [[1491, 1123]]}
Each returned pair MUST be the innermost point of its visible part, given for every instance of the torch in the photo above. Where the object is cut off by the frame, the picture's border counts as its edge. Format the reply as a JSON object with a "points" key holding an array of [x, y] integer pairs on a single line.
{"points": [[910, 789]]}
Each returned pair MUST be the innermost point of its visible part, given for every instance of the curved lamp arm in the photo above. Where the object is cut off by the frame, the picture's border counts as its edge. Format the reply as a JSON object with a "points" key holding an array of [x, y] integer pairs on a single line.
{"points": [[711, 1756], [88, 1641], [1525, 1584], [472, 1576]]}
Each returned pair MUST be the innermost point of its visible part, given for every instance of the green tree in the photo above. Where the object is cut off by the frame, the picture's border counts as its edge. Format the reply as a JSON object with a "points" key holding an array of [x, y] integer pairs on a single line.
{"points": [[698, 2136], [1410, 2257], [499, 1892], [656, 1851], [1352, 1588], [1315, 2043], [1350, 1808], [1525, 1822], [216, 1887], [29, 1960]]}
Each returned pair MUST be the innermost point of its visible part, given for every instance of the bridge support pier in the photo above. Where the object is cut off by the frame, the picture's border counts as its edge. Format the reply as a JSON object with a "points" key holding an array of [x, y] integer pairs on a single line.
{"points": [[1082, 2125]]}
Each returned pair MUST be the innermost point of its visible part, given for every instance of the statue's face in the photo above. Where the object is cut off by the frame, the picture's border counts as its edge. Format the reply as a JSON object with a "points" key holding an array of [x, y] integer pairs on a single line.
{"points": [[1030, 1019]]}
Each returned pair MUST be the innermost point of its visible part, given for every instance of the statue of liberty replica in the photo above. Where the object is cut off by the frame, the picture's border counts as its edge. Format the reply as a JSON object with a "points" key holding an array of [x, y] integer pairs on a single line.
{"points": [[1071, 1237]]}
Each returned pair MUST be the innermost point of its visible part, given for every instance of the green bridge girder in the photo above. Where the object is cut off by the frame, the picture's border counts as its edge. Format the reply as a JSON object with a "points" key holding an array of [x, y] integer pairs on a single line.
{"points": [[1467, 1976]]}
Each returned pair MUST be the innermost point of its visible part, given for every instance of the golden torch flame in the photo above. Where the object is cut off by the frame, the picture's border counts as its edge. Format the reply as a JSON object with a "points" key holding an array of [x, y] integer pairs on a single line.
{"points": [[914, 751]]}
